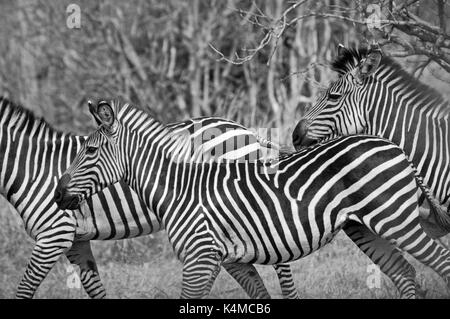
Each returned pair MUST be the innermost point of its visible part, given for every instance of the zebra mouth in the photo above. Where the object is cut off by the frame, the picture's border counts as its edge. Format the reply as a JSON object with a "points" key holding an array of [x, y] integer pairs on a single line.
{"points": [[300, 138], [70, 202], [303, 142]]}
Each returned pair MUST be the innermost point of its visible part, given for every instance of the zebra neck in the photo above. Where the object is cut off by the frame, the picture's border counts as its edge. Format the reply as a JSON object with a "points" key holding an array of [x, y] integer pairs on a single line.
{"points": [[32, 156], [420, 126], [162, 170]]}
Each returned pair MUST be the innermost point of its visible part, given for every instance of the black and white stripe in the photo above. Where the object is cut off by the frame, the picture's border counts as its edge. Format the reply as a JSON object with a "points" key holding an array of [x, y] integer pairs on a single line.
{"points": [[253, 211], [390, 103], [33, 155]]}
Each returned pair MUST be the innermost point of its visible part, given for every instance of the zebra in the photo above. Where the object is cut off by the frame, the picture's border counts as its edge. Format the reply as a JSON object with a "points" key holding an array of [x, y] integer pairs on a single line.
{"points": [[33, 155], [373, 95], [261, 212]]}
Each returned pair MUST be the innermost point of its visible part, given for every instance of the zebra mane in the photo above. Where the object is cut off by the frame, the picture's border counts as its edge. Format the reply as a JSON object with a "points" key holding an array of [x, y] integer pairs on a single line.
{"points": [[20, 112], [178, 141], [350, 58], [125, 109]]}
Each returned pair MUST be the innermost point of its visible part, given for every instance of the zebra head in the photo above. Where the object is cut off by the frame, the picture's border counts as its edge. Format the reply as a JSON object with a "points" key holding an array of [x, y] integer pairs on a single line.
{"points": [[97, 164], [341, 109]]}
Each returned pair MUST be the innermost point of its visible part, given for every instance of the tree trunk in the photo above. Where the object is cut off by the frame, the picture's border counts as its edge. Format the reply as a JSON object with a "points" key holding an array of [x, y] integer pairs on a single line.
{"points": [[29, 91]]}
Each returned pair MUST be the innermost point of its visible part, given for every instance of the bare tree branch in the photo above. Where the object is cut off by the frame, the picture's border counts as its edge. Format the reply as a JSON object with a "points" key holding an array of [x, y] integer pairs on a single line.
{"points": [[418, 36]]}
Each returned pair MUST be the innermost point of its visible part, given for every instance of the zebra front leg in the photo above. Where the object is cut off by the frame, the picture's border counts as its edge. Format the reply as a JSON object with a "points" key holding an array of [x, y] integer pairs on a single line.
{"points": [[199, 273], [81, 254], [248, 278], [286, 280], [50, 245], [386, 256]]}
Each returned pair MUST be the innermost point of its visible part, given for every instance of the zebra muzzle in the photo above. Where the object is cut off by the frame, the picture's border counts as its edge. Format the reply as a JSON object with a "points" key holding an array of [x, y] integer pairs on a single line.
{"points": [[62, 198], [300, 137], [67, 201]]}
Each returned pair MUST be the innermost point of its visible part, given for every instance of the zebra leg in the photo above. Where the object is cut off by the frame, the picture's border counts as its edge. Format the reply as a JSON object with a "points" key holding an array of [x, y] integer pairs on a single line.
{"points": [[410, 237], [199, 273], [428, 251], [248, 278], [50, 245], [386, 256], [80, 254], [286, 280]]}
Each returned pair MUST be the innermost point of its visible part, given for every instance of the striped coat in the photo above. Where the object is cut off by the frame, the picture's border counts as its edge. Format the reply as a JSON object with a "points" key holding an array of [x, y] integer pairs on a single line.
{"points": [[252, 212]]}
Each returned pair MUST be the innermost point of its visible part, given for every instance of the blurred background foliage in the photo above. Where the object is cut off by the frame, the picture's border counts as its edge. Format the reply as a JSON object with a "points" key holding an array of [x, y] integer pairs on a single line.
{"points": [[159, 56]]}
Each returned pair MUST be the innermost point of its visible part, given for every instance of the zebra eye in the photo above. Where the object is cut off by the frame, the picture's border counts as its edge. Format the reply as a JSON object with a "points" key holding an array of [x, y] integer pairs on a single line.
{"points": [[91, 150], [334, 96]]}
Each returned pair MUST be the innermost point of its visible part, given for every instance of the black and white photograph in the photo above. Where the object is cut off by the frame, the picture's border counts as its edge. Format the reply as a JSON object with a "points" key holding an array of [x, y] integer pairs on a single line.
{"points": [[225, 149]]}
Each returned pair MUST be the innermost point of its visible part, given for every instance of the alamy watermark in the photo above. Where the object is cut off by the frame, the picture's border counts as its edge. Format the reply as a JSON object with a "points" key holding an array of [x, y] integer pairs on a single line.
{"points": [[373, 280], [73, 279], [373, 21], [232, 145], [73, 19]]}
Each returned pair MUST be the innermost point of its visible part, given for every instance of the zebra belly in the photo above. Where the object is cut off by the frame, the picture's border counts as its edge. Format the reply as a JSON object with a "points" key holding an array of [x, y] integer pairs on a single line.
{"points": [[115, 213], [262, 246], [275, 253]]}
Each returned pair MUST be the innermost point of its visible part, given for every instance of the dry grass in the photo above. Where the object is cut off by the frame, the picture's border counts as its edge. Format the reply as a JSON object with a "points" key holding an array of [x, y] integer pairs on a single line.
{"points": [[131, 270]]}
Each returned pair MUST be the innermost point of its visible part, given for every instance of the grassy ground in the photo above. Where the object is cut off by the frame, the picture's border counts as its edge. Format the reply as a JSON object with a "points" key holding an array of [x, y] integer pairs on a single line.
{"points": [[146, 268]]}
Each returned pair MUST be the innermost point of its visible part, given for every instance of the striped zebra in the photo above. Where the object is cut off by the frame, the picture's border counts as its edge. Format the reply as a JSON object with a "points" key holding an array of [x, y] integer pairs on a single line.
{"points": [[373, 95], [247, 212], [33, 155]]}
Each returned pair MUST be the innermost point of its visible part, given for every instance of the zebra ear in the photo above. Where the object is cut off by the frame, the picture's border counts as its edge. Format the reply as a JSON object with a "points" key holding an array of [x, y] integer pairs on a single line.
{"points": [[369, 65], [93, 111], [105, 113]]}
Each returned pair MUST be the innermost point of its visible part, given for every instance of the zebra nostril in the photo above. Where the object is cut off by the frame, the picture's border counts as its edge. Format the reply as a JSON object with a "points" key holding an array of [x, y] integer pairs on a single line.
{"points": [[300, 137], [60, 190], [299, 133], [296, 138], [58, 195]]}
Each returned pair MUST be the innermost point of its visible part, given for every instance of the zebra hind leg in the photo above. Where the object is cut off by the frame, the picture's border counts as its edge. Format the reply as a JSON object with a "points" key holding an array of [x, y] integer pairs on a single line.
{"points": [[410, 237], [428, 251], [50, 245], [248, 278], [80, 254], [386, 256], [199, 273], [286, 280]]}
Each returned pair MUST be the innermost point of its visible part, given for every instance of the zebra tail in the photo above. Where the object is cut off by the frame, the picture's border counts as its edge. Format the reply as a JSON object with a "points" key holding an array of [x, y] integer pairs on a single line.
{"points": [[442, 219]]}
